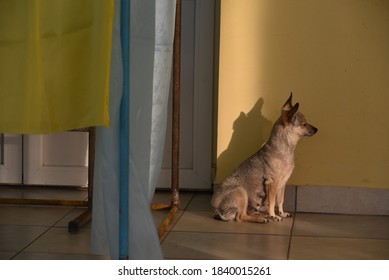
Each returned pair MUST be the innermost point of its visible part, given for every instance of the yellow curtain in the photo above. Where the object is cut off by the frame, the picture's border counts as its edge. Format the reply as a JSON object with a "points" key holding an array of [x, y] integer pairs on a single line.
{"points": [[54, 64]]}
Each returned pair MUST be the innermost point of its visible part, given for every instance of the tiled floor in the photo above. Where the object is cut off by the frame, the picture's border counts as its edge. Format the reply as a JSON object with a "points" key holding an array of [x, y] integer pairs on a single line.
{"points": [[40, 232], [195, 235]]}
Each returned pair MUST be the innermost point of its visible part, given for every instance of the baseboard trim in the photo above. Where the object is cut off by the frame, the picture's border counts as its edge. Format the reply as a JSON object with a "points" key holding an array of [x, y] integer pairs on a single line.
{"points": [[337, 200]]}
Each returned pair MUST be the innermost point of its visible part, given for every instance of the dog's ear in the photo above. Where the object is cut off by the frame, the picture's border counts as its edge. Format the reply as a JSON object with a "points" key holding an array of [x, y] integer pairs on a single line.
{"points": [[289, 115], [288, 104]]}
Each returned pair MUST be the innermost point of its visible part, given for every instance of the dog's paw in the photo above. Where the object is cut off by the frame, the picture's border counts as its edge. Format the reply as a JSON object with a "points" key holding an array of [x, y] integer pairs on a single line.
{"points": [[261, 219], [284, 214], [274, 218]]}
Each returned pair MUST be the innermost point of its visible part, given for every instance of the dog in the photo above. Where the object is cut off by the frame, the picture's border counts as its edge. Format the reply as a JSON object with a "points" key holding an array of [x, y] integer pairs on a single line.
{"points": [[258, 184]]}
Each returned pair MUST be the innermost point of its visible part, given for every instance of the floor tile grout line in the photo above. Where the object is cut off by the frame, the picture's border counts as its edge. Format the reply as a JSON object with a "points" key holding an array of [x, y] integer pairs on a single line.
{"points": [[341, 237], [291, 236], [291, 233], [62, 253], [30, 243], [234, 233], [60, 219], [39, 236], [189, 202], [179, 217], [294, 220], [71, 208]]}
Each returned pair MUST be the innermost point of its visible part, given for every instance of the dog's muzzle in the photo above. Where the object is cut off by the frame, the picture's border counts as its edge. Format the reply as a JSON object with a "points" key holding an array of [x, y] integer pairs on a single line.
{"points": [[312, 130]]}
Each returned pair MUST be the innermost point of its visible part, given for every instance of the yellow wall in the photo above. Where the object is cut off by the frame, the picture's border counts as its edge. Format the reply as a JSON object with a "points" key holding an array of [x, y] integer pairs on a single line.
{"points": [[334, 56]]}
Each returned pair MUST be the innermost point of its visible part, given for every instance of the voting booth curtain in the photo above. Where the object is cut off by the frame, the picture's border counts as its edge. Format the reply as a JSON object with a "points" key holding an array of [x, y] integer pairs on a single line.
{"points": [[54, 64], [61, 68], [150, 66]]}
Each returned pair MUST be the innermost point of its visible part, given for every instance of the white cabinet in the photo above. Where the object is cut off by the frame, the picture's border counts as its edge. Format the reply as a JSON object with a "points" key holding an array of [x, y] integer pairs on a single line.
{"points": [[56, 159], [53, 159]]}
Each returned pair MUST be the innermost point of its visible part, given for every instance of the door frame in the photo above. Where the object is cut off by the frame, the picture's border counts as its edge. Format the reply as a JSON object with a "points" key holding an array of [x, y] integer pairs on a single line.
{"points": [[12, 157]]}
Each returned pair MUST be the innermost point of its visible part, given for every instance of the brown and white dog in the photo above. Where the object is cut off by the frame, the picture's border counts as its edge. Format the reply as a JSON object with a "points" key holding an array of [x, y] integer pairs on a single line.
{"points": [[259, 182]]}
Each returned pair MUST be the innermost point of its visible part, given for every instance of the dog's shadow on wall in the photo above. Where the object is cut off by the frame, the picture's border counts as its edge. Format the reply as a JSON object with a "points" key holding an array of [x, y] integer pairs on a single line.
{"points": [[251, 131]]}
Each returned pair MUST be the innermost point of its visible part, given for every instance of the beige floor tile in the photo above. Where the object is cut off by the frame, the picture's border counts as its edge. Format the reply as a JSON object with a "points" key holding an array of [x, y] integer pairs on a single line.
{"points": [[58, 240], [201, 201], [191, 245], [202, 221], [50, 256], [342, 225], [31, 215], [15, 238], [325, 248]]}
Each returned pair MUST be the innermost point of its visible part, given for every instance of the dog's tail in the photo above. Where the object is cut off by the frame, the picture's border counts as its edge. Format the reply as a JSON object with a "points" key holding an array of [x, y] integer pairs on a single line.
{"points": [[226, 216], [219, 217]]}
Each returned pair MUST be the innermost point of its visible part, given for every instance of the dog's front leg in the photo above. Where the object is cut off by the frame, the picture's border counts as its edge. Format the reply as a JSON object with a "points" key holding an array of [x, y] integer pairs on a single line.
{"points": [[272, 194], [280, 203]]}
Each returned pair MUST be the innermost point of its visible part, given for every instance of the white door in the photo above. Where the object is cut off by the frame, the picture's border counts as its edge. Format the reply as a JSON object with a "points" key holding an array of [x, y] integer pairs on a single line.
{"points": [[197, 45], [56, 159], [10, 159]]}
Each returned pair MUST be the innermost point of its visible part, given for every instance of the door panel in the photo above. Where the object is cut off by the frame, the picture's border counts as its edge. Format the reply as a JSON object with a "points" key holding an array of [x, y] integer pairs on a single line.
{"points": [[56, 159]]}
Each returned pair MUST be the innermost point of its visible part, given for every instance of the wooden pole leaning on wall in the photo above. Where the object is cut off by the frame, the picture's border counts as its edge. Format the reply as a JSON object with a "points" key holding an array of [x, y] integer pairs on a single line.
{"points": [[176, 106], [175, 199]]}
